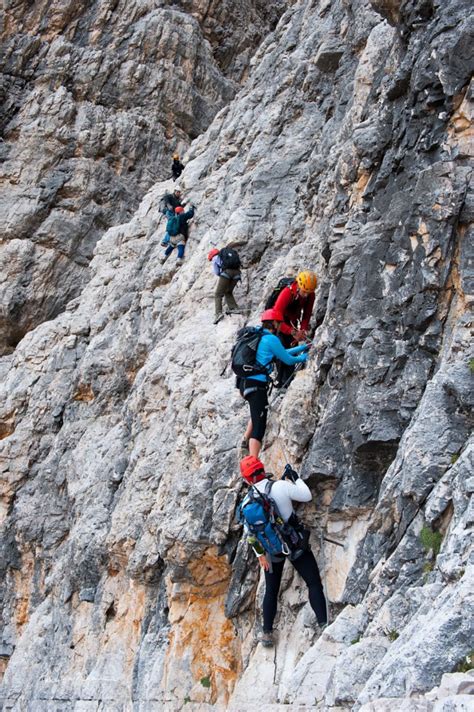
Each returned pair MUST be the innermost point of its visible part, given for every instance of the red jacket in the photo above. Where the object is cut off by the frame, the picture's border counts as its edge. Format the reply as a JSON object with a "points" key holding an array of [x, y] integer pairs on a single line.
{"points": [[295, 308]]}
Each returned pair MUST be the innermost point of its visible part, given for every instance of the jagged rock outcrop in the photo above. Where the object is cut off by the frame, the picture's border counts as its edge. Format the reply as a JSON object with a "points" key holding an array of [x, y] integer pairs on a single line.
{"points": [[95, 98], [348, 150]]}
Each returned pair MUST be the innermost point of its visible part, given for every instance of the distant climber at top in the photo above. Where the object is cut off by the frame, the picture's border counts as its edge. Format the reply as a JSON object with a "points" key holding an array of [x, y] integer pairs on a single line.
{"points": [[178, 230], [226, 266], [252, 361], [176, 167], [295, 302], [285, 538]]}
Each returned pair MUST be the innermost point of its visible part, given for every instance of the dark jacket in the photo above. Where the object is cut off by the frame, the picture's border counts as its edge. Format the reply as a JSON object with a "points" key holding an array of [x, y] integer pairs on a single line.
{"points": [[172, 202], [183, 222], [176, 168]]}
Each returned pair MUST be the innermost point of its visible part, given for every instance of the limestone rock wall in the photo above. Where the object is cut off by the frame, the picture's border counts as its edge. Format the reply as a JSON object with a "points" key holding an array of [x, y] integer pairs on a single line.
{"points": [[95, 98], [125, 586]]}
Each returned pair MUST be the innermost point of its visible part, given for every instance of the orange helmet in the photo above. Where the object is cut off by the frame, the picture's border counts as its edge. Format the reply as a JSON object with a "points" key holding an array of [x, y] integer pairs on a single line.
{"points": [[252, 469], [176, 156], [179, 210], [307, 281], [212, 253], [271, 315]]}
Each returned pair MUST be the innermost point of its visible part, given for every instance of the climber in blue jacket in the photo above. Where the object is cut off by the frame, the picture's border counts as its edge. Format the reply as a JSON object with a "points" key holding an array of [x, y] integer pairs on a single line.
{"points": [[255, 388]]}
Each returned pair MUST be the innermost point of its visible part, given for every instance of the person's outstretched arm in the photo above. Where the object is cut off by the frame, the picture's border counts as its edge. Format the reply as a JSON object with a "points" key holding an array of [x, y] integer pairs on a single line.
{"points": [[278, 351]]}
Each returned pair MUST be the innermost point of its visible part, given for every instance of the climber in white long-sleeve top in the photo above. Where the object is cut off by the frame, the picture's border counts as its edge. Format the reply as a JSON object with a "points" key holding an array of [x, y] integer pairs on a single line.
{"points": [[285, 538]]}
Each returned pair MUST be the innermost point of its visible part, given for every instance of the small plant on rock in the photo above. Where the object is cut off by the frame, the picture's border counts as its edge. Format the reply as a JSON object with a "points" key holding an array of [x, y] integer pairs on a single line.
{"points": [[205, 681], [467, 663], [393, 635], [431, 540]]}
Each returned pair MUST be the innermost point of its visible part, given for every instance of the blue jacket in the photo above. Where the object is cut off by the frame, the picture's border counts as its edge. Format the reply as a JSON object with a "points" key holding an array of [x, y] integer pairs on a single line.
{"points": [[270, 348]]}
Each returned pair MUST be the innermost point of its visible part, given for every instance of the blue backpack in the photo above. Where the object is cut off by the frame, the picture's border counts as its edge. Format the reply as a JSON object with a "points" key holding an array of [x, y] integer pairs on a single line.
{"points": [[260, 515]]}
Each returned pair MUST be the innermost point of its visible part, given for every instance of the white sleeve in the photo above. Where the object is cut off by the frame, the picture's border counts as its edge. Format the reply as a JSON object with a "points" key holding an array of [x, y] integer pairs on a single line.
{"points": [[298, 491]]}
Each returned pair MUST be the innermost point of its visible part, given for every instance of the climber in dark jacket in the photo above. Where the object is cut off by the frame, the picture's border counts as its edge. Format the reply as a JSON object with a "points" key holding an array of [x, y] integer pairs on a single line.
{"points": [[176, 167]]}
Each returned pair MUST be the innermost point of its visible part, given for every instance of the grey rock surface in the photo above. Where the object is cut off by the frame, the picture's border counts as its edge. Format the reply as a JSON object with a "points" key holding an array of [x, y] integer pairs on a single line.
{"points": [[124, 583], [95, 98]]}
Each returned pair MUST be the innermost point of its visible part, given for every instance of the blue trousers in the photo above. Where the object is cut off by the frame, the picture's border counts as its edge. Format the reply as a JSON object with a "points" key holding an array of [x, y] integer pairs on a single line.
{"points": [[170, 249]]}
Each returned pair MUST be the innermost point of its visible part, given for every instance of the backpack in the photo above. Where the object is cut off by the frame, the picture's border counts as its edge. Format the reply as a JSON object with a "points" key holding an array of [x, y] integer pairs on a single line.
{"points": [[172, 226], [229, 258], [163, 204], [275, 293], [244, 352], [263, 521]]}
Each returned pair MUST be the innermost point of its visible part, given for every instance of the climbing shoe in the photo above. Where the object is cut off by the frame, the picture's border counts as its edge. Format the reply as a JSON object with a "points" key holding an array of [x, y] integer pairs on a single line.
{"points": [[244, 447], [218, 317], [163, 259], [234, 311], [267, 639], [179, 261]]}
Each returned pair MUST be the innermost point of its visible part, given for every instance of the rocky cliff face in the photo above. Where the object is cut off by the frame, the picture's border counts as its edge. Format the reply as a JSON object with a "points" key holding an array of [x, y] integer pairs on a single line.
{"points": [[125, 586], [95, 97]]}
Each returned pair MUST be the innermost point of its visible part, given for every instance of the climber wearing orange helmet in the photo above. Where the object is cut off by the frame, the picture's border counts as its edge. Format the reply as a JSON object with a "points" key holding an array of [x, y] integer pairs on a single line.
{"points": [[254, 388], [295, 303], [176, 167]]}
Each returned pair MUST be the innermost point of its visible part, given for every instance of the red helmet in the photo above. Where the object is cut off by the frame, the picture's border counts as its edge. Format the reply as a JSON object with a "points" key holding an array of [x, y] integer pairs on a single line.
{"points": [[179, 209], [212, 253], [252, 469], [271, 315]]}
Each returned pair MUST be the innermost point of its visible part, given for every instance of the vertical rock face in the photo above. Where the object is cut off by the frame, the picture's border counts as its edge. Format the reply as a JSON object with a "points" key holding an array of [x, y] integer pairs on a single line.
{"points": [[349, 151], [95, 97]]}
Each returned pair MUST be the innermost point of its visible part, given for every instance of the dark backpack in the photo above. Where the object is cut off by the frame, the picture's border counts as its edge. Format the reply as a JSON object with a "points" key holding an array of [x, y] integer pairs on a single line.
{"points": [[275, 293], [229, 258], [263, 521], [172, 226], [244, 352]]}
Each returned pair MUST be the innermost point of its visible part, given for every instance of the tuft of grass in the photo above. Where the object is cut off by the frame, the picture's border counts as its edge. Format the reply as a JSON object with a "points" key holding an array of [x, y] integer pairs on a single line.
{"points": [[471, 365], [187, 699], [454, 458], [355, 640], [466, 664], [431, 540], [393, 635], [205, 681]]}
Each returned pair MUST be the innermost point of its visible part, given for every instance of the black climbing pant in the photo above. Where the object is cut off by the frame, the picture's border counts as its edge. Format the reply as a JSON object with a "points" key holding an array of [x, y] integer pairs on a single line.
{"points": [[256, 395], [307, 568]]}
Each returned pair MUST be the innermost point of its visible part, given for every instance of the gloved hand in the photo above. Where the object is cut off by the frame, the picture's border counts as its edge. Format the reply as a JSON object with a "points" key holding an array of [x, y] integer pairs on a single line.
{"points": [[290, 473]]}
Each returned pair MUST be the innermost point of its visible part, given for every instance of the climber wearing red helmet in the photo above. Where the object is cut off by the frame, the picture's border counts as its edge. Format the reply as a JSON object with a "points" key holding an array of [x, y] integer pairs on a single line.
{"points": [[281, 494], [226, 266], [255, 388], [178, 230]]}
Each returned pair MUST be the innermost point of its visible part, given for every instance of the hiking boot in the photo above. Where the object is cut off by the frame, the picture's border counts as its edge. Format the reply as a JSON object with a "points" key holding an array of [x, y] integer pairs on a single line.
{"points": [[244, 448], [179, 261], [267, 639], [163, 259], [218, 317], [234, 311]]}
